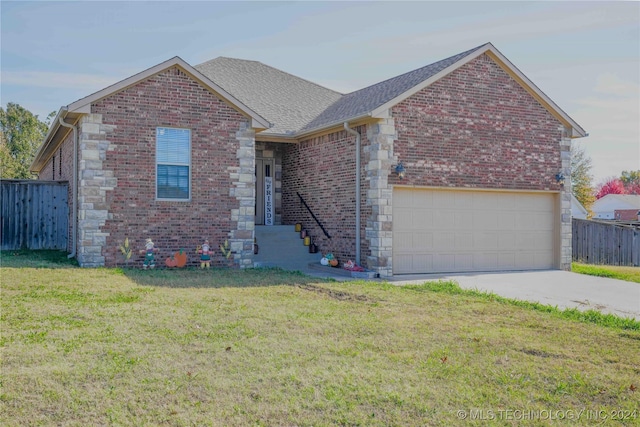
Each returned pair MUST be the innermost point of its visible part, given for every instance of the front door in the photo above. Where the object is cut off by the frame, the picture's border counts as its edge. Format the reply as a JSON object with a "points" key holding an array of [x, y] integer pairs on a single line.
{"points": [[264, 192]]}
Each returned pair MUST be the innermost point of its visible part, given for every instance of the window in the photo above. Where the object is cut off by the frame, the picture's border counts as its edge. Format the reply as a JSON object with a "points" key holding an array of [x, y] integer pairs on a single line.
{"points": [[173, 163]]}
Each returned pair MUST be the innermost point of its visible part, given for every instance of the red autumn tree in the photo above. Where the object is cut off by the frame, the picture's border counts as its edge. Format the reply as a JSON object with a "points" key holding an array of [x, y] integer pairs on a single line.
{"points": [[611, 186], [631, 181]]}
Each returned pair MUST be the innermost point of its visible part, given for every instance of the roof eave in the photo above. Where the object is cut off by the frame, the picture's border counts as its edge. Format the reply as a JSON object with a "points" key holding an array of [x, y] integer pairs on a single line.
{"points": [[337, 123], [41, 157]]}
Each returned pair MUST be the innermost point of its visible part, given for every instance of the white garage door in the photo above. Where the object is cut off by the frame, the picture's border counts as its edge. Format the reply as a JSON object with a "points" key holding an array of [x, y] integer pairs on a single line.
{"points": [[458, 231]]}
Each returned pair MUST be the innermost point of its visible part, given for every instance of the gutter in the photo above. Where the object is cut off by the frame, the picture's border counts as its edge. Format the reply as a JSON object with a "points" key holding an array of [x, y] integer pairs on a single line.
{"points": [[358, 142], [74, 215]]}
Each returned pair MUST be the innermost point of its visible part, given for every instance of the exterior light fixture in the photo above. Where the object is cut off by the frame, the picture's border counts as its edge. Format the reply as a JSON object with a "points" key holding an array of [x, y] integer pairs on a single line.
{"points": [[400, 170], [560, 178]]}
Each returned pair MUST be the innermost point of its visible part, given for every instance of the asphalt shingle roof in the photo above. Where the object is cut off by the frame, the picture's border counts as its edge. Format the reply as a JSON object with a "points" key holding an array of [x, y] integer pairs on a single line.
{"points": [[287, 101], [360, 102], [296, 105]]}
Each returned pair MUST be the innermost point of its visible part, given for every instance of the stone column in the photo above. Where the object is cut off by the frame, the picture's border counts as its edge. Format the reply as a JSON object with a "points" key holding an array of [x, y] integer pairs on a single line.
{"points": [[243, 188], [379, 230], [565, 203], [94, 182]]}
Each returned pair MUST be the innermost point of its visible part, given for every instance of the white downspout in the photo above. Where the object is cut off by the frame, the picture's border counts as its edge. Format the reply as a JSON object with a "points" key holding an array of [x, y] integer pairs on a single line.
{"points": [[357, 135], [74, 214]]}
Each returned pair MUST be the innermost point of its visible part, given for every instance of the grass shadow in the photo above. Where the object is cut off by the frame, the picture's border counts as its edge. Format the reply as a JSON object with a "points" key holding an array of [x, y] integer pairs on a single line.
{"points": [[193, 277], [36, 259], [190, 277]]}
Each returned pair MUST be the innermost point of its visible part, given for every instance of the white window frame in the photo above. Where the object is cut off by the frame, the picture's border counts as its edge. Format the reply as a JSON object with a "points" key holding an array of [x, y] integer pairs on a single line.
{"points": [[157, 163]]}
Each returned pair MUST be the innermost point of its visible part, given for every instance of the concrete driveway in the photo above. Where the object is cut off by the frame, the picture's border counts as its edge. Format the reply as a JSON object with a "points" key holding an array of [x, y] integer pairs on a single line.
{"points": [[553, 287]]}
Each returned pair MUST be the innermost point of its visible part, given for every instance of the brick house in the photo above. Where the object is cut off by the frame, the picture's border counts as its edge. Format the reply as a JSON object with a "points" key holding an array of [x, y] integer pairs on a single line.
{"points": [[181, 153]]}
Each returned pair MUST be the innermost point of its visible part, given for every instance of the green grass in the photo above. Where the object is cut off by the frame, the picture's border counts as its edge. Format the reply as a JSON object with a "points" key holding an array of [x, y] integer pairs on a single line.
{"points": [[585, 316], [629, 274], [268, 347]]}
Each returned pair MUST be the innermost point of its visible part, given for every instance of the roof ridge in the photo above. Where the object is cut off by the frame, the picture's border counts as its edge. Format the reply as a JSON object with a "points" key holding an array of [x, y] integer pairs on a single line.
{"points": [[273, 68]]}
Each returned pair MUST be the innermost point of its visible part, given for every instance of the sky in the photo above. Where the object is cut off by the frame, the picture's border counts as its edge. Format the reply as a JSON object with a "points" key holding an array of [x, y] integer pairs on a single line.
{"points": [[584, 55]]}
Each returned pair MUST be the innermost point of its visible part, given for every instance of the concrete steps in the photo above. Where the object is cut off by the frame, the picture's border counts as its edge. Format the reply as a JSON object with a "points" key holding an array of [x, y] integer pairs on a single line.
{"points": [[280, 246]]}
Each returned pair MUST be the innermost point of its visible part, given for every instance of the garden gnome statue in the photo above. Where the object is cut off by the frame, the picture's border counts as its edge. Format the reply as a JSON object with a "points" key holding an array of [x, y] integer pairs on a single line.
{"points": [[205, 255], [149, 255]]}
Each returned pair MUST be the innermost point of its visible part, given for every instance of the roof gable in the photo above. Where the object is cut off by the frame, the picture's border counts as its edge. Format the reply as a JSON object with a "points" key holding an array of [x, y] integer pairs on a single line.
{"points": [[57, 133], [376, 100], [84, 105]]}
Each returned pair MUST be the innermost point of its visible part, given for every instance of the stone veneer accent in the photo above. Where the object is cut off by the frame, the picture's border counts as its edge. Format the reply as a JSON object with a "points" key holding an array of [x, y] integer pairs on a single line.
{"points": [[94, 182], [243, 189], [566, 232], [379, 227]]}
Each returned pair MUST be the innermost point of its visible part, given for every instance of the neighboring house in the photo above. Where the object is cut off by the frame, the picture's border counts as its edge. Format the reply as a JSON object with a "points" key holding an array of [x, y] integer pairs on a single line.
{"points": [[627, 214], [181, 153], [577, 210], [605, 207]]}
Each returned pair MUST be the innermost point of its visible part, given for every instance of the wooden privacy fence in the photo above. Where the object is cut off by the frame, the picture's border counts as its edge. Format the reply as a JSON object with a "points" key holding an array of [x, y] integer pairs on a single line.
{"points": [[606, 243], [34, 214]]}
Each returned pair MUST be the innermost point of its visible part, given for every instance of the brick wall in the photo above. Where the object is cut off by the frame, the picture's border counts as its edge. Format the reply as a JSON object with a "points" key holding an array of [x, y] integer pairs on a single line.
{"points": [[170, 99], [627, 214], [477, 128], [62, 171], [322, 170]]}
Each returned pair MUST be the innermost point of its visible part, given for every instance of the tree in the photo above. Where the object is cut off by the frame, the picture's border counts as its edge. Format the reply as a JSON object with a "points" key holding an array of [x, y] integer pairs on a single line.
{"points": [[581, 185], [611, 186], [631, 181], [21, 133]]}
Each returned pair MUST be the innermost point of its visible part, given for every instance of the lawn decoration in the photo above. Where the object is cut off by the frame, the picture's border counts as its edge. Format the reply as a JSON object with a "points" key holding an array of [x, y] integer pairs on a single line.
{"points": [[149, 252], [126, 251], [329, 259], [352, 266], [178, 259], [225, 249], [205, 254]]}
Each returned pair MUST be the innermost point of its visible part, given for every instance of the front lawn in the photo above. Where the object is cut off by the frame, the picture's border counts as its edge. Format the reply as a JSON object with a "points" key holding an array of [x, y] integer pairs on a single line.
{"points": [[630, 274], [268, 347]]}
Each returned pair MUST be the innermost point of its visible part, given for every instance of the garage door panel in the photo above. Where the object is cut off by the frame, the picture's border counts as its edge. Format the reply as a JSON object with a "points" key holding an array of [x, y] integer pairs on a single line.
{"points": [[507, 261], [483, 241], [403, 241], [456, 231], [443, 199], [507, 240], [542, 260], [445, 261], [485, 220], [543, 240], [506, 221], [444, 241], [485, 261], [443, 219], [422, 241], [422, 219], [403, 215], [463, 240], [485, 201], [425, 202], [463, 220]]}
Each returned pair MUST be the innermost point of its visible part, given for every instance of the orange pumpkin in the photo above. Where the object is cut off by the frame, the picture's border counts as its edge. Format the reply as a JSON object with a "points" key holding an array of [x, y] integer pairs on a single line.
{"points": [[181, 258], [171, 262]]}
